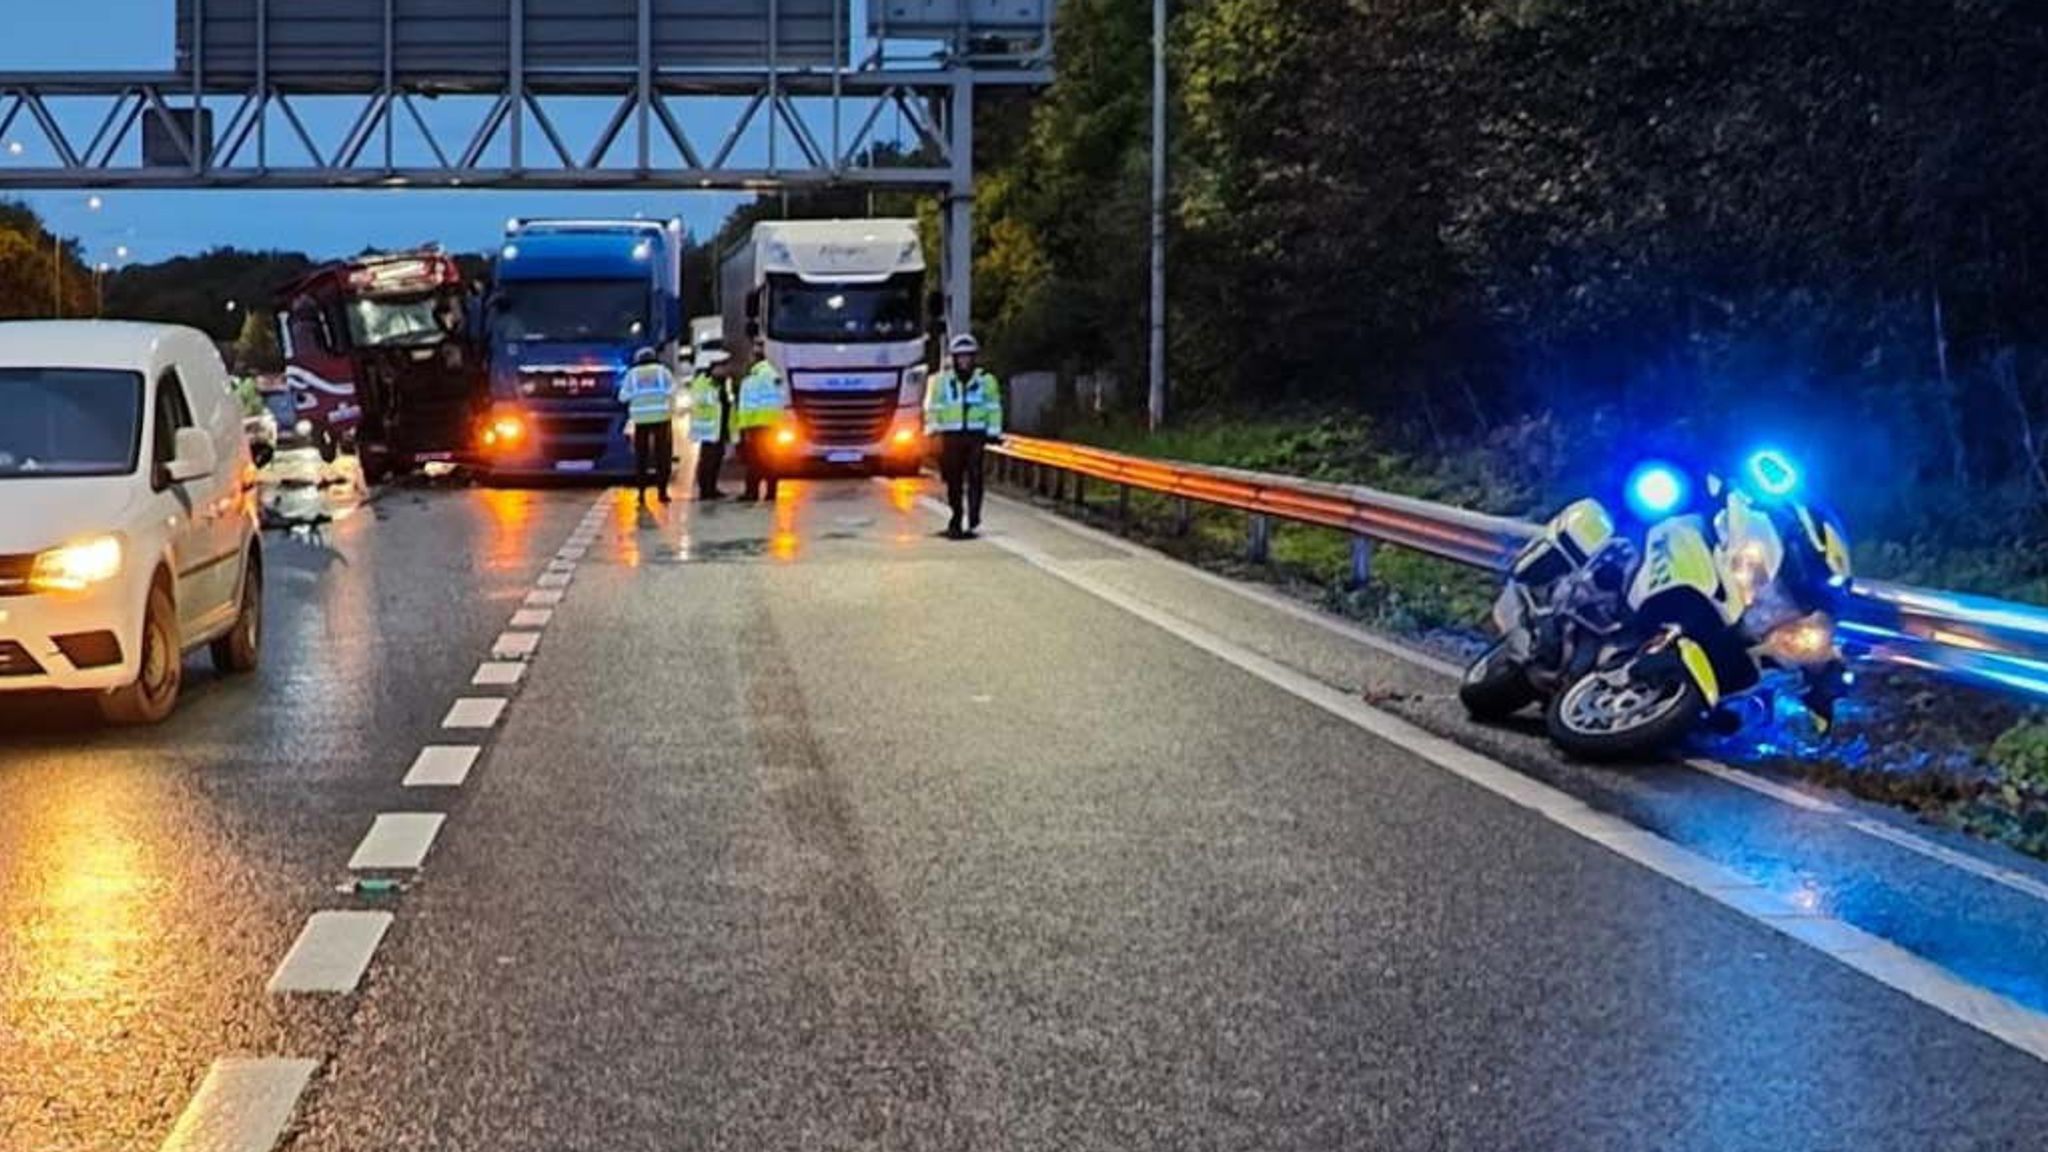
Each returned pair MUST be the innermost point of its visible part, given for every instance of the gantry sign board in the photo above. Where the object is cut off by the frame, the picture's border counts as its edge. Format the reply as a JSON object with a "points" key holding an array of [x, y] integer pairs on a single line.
{"points": [[331, 39], [301, 41]]}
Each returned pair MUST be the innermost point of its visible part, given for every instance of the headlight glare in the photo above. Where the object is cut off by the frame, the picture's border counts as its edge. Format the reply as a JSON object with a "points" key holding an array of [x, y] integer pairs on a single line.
{"points": [[77, 566], [1806, 641]]}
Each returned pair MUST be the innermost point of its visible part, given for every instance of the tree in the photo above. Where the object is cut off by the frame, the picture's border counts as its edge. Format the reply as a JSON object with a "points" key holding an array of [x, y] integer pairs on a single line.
{"points": [[256, 348]]}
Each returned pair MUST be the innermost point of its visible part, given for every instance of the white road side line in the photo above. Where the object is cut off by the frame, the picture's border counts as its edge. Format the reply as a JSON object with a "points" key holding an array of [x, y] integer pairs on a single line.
{"points": [[532, 617], [474, 712], [243, 1105], [397, 840], [2010, 878], [554, 579], [1879, 959], [497, 673], [442, 765], [543, 598], [514, 645], [331, 952], [1921, 846]]}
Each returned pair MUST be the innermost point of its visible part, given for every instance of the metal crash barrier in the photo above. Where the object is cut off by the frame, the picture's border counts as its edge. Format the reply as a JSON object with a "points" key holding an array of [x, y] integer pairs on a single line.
{"points": [[1977, 640]]}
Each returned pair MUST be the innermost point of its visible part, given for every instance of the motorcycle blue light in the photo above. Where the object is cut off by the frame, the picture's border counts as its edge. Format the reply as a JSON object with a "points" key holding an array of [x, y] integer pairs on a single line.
{"points": [[1773, 472], [1656, 490]]}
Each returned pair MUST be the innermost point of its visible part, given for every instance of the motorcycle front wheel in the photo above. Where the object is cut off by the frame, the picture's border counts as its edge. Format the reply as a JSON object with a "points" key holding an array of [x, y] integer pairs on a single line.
{"points": [[1624, 713], [1495, 686]]}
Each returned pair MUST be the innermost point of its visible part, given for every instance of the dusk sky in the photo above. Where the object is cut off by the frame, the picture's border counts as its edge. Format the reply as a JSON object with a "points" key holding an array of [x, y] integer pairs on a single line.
{"points": [[87, 35]]}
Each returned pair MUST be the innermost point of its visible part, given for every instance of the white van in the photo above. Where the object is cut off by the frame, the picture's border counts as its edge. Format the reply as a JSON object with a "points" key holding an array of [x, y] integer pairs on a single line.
{"points": [[128, 504]]}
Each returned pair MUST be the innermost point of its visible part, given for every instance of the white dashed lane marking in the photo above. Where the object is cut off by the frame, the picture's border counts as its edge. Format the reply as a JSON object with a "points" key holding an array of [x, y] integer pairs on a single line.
{"points": [[514, 645], [242, 1106], [532, 617], [331, 952], [474, 712], [543, 598], [442, 765], [554, 579], [497, 673], [397, 840]]}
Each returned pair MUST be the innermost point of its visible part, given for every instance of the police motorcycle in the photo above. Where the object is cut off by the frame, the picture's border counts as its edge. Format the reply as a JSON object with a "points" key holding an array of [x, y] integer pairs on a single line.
{"points": [[1635, 650], [1560, 607], [1723, 607]]}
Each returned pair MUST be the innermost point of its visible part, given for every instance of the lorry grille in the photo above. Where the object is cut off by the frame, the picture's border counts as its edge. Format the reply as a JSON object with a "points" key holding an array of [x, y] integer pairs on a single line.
{"points": [[575, 435], [854, 418]]}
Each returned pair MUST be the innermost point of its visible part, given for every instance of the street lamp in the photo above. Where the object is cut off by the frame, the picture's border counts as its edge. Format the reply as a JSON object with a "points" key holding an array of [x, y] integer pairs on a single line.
{"points": [[14, 148], [94, 203], [120, 251]]}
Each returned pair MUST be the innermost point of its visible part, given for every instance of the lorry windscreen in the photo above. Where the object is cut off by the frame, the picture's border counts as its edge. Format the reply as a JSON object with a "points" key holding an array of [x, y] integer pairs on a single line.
{"points": [[69, 422], [801, 311], [570, 311], [404, 320]]}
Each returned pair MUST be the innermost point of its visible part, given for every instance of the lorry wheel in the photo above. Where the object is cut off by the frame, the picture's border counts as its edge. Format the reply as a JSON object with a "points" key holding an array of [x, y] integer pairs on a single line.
{"points": [[154, 691], [242, 647], [1494, 686]]}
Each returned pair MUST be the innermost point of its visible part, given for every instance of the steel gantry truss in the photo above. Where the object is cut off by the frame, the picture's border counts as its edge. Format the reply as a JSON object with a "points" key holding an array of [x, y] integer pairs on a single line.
{"points": [[768, 130]]}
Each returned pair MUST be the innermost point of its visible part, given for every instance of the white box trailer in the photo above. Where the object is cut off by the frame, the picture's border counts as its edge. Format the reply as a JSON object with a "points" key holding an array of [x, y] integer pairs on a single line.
{"points": [[838, 306]]}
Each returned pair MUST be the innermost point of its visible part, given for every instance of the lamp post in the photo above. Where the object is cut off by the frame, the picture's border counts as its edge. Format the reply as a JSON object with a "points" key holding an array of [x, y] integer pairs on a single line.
{"points": [[92, 204], [1155, 400]]}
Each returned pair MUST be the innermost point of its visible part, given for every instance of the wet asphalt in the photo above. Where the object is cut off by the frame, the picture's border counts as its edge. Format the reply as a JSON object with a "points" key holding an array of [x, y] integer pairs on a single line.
{"points": [[806, 829]]}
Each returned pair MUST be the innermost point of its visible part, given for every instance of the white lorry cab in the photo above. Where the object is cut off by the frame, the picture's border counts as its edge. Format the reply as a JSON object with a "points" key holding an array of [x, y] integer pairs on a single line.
{"points": [[128, 513], [838, 307]]}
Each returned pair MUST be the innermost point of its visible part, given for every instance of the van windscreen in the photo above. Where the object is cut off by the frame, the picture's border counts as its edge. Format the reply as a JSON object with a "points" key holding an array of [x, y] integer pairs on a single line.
{"points": [[69, 422]]}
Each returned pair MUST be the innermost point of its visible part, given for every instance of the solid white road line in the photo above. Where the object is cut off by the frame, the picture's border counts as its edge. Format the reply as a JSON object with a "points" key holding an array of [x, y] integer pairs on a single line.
{"points": [[1875, 957], [1922, 846], [474, 712], [514, 645], [543, 598], [331, 952], [532, 617], [243, 1105], [497, 673], [397, 840], [442, 765], [554, 579]]}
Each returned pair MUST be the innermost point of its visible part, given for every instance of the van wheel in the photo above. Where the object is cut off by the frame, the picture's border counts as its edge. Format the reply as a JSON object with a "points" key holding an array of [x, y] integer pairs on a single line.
{"points": [[241, 648], [154, 691]]}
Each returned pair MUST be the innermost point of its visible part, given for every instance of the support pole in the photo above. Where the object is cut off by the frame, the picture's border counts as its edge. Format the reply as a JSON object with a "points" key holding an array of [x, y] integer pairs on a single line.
{"points": [[960, 209], [1361, 561], [1259, 547], [1155, 406]]}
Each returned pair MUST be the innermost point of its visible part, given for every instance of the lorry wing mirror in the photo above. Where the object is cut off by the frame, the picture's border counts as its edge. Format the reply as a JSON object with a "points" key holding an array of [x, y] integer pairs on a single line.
{"points": [[935, 306], [753, 330], [753, 306]]}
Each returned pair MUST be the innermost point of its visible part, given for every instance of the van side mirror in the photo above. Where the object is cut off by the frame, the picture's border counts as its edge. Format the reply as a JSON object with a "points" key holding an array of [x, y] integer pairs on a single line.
{"points": [[192, 455]]}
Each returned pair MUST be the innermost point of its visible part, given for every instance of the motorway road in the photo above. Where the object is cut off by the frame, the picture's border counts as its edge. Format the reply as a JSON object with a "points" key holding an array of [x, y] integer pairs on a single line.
{"points": [[805, 829]]}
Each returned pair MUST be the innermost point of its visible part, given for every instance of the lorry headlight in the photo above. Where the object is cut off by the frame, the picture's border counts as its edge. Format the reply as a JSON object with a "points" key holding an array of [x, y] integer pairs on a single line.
{"points": [[505, 428], [77, 566]]}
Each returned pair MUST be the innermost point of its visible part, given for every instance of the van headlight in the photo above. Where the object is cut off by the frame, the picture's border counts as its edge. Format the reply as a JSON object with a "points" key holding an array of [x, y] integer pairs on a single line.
{"points": [[76, 566], [1803, 642]]}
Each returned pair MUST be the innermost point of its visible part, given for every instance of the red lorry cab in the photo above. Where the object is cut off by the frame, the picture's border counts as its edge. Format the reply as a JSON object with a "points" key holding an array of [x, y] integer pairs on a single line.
{"points": [[380, 356]]}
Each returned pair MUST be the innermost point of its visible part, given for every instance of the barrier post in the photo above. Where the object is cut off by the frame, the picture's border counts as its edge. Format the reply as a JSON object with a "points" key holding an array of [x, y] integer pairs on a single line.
{"points": [[1260, 545], [1183, 516], [1123, 506], [1361, 561]]}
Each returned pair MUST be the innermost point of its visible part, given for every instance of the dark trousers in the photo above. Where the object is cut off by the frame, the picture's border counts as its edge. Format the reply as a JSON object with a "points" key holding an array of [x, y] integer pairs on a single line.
{"points": [[960, 466], [654, 455], [710, 458], [757, 454]]}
